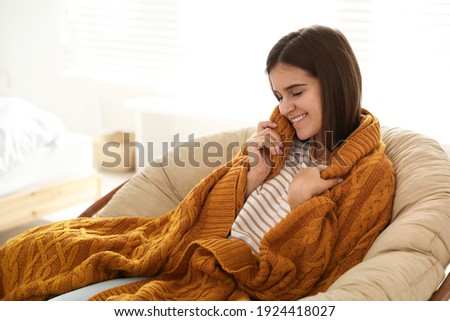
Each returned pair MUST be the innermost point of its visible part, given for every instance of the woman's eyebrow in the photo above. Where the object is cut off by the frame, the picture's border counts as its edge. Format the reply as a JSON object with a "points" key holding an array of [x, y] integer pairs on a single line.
{"points": [[290, 87], [294, 86]]}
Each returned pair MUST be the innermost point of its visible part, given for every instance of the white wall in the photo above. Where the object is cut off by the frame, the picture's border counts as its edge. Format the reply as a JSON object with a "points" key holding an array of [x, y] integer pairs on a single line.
{"points": [[31, 57]]}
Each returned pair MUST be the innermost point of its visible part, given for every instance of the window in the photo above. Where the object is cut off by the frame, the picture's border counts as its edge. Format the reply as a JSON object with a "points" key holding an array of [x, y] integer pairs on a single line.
{"points": [[124, 41], [214, 51]]}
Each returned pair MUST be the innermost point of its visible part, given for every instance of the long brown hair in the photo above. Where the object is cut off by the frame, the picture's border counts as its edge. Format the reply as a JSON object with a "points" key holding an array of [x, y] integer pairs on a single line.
{"points": [[326, 54]]}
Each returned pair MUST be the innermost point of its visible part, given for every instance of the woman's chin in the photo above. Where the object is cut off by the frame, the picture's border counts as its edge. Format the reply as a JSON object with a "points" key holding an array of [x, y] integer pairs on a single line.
{"points": [[301, 135]]}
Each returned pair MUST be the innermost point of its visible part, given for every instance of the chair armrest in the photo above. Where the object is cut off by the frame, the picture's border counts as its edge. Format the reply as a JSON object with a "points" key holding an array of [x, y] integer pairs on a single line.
{"points": [[443, 292], [100, 203]]}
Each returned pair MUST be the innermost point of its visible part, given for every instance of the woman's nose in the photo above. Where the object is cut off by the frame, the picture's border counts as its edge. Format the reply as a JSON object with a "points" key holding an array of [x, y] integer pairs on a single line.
{"points": [[286, 107]]}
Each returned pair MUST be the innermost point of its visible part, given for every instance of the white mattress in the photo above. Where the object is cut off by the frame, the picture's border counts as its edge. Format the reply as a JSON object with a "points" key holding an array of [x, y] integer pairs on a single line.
{"points": [[70, 156]]}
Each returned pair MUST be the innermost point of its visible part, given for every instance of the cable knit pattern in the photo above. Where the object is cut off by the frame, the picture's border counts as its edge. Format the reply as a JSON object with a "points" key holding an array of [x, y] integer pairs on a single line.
{"points": [[186, 252]]}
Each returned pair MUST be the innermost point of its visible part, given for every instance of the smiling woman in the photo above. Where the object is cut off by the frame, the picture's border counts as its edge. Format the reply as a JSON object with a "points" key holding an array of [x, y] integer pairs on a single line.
{"points": [[318, 99], [330, 72], [298, 88]]}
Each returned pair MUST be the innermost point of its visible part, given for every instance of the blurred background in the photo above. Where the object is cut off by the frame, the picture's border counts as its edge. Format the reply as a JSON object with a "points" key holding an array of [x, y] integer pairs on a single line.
{"points": [[81, 59]]}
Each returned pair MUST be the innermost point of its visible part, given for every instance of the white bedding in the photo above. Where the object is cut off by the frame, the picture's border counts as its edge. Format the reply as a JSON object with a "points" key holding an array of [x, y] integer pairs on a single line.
{"points": [[36, 150], [24, 128], [69, 156]]}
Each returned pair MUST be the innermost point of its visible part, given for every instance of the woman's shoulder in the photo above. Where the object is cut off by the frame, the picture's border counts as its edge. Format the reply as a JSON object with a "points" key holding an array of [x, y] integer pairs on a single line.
{"points": [[377, 163]]}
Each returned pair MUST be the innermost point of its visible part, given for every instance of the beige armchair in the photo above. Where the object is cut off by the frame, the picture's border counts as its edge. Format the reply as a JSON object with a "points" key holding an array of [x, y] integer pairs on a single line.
{"points": [[407, 261]]}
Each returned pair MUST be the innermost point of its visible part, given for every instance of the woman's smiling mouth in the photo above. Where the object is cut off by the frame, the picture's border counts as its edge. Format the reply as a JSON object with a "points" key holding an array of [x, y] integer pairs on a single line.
{"points": [[299, 118]]}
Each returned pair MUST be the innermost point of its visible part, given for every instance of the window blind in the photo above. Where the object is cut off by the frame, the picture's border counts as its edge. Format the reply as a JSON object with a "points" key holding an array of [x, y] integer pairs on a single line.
{"points": [[122, 40], [403, 47], [148, 37]]}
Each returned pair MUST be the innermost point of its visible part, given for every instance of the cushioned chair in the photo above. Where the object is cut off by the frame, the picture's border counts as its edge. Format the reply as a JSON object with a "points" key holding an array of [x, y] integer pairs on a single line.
{"points": [[407, 261]]}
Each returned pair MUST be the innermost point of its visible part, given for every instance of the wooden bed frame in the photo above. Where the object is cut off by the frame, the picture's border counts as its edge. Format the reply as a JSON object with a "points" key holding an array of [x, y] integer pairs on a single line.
{"points": [[24, 207]]}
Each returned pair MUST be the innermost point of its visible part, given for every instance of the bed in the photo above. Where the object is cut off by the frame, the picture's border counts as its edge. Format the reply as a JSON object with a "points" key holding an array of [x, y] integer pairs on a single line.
{"points": [[43, 167]]}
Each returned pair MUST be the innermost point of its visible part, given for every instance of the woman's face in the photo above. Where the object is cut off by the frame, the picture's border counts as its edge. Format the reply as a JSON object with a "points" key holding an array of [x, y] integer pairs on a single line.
{"points": [[299, 97]]}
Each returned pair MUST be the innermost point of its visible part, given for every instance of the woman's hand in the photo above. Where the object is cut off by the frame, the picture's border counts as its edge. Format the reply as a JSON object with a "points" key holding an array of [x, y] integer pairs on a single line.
{"points": [[308, 183], [260, 147]]}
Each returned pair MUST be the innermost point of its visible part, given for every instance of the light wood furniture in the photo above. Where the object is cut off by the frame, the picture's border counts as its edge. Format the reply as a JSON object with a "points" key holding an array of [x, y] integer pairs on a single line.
{"points": [[24, 207]]}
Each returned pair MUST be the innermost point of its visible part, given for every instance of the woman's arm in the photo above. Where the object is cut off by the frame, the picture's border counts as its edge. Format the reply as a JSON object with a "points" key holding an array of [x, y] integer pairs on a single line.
{"points": [[260, 147], [329, 233]]}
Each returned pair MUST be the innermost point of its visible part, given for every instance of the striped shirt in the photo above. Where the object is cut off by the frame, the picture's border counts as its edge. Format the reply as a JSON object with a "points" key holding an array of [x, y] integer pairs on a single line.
{"points": [[267, 204]]}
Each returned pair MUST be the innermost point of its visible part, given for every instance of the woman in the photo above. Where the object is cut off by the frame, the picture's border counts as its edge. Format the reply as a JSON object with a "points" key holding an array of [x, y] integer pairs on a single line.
{"points": [[300, 206], [316, 79]]}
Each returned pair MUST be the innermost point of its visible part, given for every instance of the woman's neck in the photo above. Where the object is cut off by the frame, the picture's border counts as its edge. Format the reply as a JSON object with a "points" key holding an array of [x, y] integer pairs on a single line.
{"points": [[319, 153]]}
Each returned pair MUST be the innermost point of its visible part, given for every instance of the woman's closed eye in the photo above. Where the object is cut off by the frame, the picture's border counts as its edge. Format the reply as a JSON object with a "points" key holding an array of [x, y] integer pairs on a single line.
{"points": [[294, 94], [278, 97]]}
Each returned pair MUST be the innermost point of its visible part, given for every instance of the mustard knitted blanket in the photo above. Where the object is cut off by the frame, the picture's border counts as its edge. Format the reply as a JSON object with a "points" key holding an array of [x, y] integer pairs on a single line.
{"points": [[186, 252]]}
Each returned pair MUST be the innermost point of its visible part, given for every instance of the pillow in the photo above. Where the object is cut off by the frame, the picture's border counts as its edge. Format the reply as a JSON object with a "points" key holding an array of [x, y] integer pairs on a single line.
{"points": [[23, 129]]}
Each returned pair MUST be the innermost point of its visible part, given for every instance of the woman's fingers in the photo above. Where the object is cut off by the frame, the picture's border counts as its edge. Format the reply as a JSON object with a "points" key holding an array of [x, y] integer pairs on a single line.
{"points": [[269, 139], [312, 181], [331, 182], [266, 124]]}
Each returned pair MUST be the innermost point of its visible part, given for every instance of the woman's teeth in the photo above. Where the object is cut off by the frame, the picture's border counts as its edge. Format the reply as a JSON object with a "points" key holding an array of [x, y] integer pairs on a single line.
{"points": [[296, 119]]}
